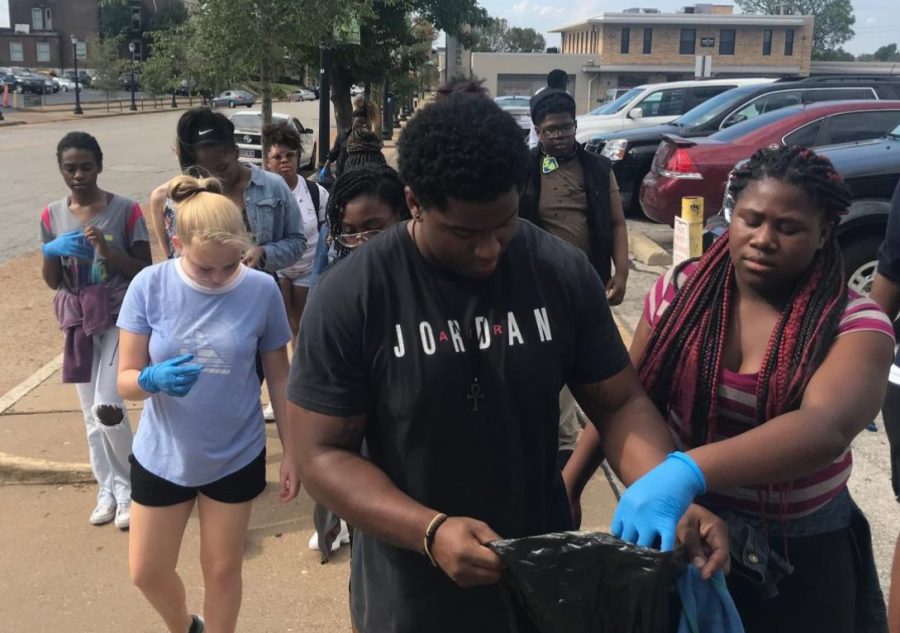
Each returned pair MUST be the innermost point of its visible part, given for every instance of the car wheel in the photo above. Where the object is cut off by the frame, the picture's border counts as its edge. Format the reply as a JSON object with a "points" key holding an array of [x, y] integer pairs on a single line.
{"points": [[861, 260], [231, 104]]}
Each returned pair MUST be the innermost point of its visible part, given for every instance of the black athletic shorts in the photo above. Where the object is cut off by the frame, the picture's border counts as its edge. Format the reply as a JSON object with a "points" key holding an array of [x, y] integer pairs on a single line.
{"points": [[243, 485]]}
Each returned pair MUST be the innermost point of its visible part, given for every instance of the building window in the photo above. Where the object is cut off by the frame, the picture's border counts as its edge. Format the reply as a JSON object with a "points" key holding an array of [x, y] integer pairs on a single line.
{"points": [[136, 19], [37, 19], [81, 50], [688, 41], [43, 52], [16, 52], [767, 42], [648, 41], [48, 19], [726, 41], [626, 41], [789, 42]]}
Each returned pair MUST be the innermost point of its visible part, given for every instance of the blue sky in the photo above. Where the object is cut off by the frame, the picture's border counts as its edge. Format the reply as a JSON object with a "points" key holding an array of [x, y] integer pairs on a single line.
{"points": [[877, 21]]}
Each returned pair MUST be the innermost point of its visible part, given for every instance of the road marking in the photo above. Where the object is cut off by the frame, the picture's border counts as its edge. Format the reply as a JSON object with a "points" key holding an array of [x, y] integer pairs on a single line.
{"points": [[11, 397]]}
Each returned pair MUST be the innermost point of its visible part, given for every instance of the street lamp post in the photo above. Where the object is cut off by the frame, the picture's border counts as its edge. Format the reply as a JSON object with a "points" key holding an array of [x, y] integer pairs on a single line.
{"points": [[131, 48], [77, 109]]}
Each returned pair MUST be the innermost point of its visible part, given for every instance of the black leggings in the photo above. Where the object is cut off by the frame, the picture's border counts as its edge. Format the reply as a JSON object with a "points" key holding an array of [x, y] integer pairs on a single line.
{"points": [[819, 597], [891, 413]]}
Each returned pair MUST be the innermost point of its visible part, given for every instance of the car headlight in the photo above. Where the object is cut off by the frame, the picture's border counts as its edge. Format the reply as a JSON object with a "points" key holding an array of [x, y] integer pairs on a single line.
{"points": [[615, 149]]}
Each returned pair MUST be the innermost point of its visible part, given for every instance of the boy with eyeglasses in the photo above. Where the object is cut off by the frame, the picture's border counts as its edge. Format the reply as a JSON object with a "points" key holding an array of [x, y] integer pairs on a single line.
{"points": [[573, 194]]}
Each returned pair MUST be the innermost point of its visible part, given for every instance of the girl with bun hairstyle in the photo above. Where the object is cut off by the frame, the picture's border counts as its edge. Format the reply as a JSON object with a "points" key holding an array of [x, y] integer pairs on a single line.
{"points": [[190, 331]]}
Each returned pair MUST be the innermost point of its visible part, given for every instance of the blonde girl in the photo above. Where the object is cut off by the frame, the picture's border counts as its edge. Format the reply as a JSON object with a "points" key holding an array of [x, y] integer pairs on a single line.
{"points": [[190, 331]]}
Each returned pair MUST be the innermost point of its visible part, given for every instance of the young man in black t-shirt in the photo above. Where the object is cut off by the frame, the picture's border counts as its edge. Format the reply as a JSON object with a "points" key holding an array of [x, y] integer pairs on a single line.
{"points": [[443, 343]]}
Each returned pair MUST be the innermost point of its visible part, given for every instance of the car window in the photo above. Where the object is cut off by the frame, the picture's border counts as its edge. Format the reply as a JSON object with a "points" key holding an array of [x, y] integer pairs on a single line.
{"points": [[851, 127], [247, 121], [618, 104], [837, 94], [715, 107], [762, 105], [663, 103], [704, 93], [806, 136], [513, 102], [733, 133]]}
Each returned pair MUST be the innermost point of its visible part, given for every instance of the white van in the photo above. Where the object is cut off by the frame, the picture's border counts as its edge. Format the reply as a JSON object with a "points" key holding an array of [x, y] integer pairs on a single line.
{"points": [[654, 104]]}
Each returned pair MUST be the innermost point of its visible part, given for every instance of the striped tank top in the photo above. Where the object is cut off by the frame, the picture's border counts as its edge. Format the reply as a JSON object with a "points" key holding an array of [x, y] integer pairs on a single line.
{"points": [[737, 414]]}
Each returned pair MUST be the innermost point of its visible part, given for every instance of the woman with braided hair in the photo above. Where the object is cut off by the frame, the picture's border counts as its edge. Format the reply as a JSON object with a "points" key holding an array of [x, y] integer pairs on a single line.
{"points": [[766, 367], [363, 147], [365, 201]]}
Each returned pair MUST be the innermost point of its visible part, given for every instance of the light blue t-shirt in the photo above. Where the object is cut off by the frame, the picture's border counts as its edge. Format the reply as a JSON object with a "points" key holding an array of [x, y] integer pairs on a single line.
{"points": [[217, 428]]}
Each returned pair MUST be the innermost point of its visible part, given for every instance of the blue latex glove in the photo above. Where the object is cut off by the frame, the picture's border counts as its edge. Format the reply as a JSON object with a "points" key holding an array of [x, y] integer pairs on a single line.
{"points": [[71, 244], [171, 376], [653, 505], [323, 174]]}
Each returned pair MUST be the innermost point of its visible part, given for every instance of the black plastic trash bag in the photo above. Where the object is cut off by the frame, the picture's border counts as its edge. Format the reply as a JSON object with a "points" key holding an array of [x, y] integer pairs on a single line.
{"points": [[577, 582]]}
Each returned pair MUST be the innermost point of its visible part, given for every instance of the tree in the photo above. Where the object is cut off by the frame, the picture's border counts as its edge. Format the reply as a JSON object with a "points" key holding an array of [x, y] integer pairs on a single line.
{"points": [[490, 37], [834, 19], [103, 58], [836, 55], [887, 53], [115, 18], [524, 40], [168, 14]]}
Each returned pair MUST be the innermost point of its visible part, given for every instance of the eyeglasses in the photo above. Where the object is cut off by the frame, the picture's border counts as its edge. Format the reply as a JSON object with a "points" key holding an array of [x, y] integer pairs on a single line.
{"points": [[288, 156], [558, 132], [352, 240]]}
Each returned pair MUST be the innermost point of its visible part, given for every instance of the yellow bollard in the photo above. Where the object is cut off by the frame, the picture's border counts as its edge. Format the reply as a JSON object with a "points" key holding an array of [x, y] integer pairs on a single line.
{"points": [[688, 237]]}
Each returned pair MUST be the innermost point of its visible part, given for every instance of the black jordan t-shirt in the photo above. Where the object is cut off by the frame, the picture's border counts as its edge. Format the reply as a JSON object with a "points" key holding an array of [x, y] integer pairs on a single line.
{"points": [[460, 382]]}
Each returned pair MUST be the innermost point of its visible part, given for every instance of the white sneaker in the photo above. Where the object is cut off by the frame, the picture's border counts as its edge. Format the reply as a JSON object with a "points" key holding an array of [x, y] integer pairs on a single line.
{"points": [[123, 516], [343, 538], [269, 413], [103, 513]]}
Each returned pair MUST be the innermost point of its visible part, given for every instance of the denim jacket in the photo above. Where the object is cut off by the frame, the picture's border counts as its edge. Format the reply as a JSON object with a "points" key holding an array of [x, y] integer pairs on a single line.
{"points": [[274, 217]]}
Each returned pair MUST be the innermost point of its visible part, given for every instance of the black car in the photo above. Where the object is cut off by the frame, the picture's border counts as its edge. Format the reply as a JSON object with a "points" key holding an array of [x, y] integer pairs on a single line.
{"points": [[632, 151], [29, 81], [871, 169]]}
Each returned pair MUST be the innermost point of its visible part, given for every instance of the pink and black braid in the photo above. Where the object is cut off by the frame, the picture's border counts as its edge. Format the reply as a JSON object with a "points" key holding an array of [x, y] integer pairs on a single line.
{"points": [[683, 358]]}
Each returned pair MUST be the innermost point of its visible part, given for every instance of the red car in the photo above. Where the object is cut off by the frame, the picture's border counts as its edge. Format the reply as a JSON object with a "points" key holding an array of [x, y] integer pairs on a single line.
{"points": [[700, 166]]}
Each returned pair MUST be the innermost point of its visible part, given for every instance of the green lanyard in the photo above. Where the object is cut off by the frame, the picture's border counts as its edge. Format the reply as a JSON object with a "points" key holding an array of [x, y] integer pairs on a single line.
{"points": [[549, 165]]}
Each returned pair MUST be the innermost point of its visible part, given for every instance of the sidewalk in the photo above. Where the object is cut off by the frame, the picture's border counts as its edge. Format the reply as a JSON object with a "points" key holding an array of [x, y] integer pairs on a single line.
{"points": [[62, 574]]}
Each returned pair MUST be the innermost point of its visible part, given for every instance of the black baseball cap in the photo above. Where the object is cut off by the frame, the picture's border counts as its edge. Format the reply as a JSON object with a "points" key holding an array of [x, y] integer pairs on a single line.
{"points": [[204, 126]]}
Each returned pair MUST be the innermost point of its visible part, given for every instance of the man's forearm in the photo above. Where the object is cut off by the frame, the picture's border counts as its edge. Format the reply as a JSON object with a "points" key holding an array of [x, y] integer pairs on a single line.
{"points": [[363, 495], [584, 462]]}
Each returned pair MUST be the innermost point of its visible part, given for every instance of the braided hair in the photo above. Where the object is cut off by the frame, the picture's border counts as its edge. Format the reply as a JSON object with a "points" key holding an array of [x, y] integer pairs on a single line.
{"points": [[362, 147], [372, 179], [689, 339]]}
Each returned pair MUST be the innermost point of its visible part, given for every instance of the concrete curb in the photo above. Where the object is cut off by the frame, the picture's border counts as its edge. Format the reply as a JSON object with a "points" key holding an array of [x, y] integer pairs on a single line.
{"points": [[646, 251], [12, 123], [53, 117], [31, 470]]}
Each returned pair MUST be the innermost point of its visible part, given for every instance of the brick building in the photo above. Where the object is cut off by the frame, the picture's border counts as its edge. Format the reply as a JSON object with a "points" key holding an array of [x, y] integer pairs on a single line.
{"points": [[652, 46], [37, 33]]}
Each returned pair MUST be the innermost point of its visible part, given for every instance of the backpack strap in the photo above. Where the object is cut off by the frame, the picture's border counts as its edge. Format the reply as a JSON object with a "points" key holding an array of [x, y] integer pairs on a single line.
{"points": [[313, 190]]}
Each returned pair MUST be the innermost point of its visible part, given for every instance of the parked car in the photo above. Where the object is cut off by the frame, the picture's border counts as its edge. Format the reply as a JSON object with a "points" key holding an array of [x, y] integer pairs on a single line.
{"points": [[302, 94], [632, 151], [84, 79], [129, 81], [247, 131], [356, 91], [66, 84], [29, 81], [234, 98], [312, 89], [700, 166], [186, 87], [519, 108], [652, 104], [7, 79], [871, 170]]}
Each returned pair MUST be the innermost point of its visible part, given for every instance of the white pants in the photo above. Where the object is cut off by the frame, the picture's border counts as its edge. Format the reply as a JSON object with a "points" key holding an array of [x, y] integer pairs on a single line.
{"points": [[106, 420]]}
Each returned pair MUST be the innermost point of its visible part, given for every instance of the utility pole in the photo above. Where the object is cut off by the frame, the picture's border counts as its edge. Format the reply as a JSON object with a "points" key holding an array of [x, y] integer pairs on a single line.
{"points": [[324, 103]]}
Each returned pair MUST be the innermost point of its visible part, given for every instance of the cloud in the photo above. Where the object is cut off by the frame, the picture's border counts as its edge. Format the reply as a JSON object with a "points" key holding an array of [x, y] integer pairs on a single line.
{"points": [[871, 21]]}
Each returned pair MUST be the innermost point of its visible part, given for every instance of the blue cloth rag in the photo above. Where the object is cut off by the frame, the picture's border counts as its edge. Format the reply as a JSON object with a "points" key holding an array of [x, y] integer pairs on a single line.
{"points": [[706, 605]]}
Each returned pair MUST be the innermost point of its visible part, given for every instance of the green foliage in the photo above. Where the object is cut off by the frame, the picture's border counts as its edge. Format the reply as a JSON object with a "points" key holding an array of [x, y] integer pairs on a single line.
{"points": [[168, 15], [836, 55], [103, 58], [495, 36], [887, 53], [834, 19], [115, 18]]}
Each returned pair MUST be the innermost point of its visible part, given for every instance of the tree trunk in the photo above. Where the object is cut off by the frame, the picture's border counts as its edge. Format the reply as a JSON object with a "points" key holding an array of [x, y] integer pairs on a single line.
{"points": [[377, 100], [265, 87], [340, 95]]}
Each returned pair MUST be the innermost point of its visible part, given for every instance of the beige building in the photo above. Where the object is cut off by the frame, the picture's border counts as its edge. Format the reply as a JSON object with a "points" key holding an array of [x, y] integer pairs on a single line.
{"points": [[666, 44], [622, 50]]}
